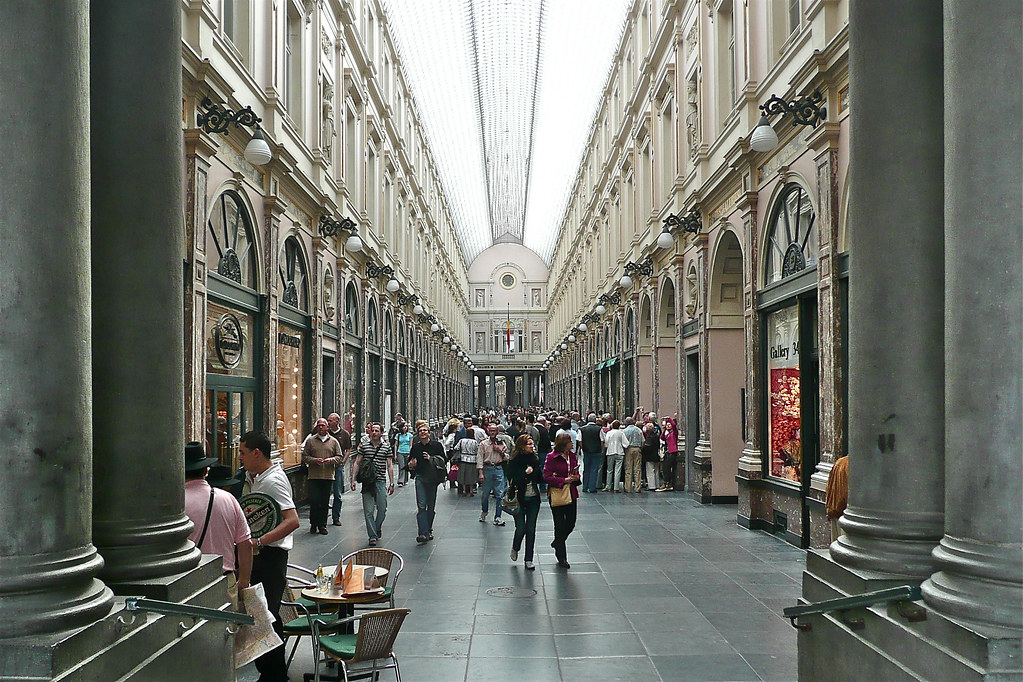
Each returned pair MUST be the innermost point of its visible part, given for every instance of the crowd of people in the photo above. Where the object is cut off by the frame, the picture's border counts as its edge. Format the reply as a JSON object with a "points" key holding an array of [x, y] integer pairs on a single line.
{"points": [[510, 458]]}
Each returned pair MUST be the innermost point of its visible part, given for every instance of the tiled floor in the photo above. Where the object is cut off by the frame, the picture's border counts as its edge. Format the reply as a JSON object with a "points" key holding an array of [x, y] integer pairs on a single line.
{"points": [[661, 588]]}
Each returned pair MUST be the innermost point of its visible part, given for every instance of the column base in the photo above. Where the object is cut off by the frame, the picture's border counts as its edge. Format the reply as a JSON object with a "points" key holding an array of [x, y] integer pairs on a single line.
{"points": [[979, 585], [135, 644], [141, 550], [896, 543], [701, 476], [888, 646]]}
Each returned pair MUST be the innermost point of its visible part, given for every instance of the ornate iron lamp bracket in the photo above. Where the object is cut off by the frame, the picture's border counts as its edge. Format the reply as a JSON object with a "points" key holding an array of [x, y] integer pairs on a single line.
{"points": [[216, 118], [805, 110], [330, 227]]}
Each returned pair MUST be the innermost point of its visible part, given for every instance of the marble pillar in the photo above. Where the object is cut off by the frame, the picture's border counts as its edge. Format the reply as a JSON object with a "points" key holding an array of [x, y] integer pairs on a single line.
{"points": [[492, 390], [896, 291], [49, 565], [138, 236], [980, 581]]}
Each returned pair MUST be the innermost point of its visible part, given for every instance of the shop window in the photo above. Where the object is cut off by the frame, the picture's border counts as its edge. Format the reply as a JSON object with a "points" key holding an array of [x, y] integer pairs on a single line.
{"points": [[792, 240], [388, 331], [784, 398], [372, 332], [230, 232], [292, 272], [291, 428], [351, 310]]}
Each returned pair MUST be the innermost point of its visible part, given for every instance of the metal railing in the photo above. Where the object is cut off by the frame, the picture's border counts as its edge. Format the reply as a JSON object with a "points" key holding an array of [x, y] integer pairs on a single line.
{"points": [[195, 612], [903, 595]]}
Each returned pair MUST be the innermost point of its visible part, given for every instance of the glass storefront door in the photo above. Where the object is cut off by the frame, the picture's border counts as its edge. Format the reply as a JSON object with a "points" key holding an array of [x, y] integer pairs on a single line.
{"points": [[229, 415]]}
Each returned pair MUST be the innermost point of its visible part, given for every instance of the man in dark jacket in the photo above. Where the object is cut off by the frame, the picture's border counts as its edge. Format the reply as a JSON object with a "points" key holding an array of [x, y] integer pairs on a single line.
{"points": [[426, 461], [591, 436]]}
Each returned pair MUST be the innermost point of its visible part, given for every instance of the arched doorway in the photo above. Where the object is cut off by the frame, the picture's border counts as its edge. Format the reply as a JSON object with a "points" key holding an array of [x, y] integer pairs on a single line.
{"points": [[645, 363], [294, 341]]}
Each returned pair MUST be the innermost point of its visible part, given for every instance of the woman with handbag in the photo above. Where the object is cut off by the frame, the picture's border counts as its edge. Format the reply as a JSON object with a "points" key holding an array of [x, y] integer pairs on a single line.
{"points": [[561, 473], [524, 478], [651, 451]]}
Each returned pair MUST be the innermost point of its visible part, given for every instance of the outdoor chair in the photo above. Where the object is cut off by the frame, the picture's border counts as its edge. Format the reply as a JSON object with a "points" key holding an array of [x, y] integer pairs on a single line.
{"points": [[383, 558], [374, 642], [297, 612]]}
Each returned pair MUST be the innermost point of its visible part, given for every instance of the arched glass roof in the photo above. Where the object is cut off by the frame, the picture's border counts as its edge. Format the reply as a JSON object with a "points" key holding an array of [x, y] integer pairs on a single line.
{"points": [[507, 91]]}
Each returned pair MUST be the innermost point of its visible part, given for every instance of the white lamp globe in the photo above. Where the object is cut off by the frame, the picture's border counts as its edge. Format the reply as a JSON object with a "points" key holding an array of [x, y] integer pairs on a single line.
{"points": [[257, 151], [665, 240], [417, 309], [557, 353], [600, 309], [454, 346], [447, 339], [571, 338], [564, 346], [434, 327], [625, 282], [392, 285], [354, 244], [763, 138], [582, 326]]}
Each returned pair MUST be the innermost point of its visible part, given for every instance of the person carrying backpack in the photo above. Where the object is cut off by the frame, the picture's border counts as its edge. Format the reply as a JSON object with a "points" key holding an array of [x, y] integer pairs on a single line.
{"points": [[427, 463]]}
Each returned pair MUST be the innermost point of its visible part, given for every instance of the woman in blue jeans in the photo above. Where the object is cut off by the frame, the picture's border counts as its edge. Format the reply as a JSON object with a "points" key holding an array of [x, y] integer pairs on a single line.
{"points": [[525, 474]]}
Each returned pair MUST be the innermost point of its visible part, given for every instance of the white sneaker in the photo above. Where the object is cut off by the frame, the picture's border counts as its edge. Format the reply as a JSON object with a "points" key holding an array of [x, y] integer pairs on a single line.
{"points": [[530, 566], [514, 555], [498, 522]]}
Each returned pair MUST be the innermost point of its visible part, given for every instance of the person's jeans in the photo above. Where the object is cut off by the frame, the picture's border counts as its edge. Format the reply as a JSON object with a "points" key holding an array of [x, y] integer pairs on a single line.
{"points": [[374, 507], [270, 567], [339, 487], [564, 524], [525, 525], [614, 471], [591, 471], [426, 500], [493, 479], [633, 470], [319, 499]]}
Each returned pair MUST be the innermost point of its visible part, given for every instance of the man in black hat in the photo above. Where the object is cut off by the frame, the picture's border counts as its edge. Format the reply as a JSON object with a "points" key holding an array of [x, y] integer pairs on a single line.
{"points": [[218, 520]]}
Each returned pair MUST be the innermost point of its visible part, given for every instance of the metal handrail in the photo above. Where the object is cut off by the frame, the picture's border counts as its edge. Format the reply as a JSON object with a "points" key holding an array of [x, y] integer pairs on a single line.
{"points": [[902, 594], [175, 609]]}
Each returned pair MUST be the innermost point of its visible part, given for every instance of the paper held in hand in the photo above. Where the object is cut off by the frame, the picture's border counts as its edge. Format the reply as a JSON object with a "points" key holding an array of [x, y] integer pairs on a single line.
{"points": [[355, 580]]}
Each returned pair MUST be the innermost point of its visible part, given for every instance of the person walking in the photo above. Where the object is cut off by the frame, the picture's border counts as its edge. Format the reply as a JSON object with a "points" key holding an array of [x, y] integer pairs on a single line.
{"points": [[344, 440], [423, 465], [403, 446], [561, 469], [591, 440], [321, 453], [616, 442], [633, 456], [669, 436], [466, 450], [270, 560], [490, 457], [374, 495], [524, 478]]}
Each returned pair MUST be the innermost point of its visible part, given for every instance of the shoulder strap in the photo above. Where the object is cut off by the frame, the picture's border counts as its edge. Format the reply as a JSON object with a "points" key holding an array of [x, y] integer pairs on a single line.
{"points": [[206, 523]]}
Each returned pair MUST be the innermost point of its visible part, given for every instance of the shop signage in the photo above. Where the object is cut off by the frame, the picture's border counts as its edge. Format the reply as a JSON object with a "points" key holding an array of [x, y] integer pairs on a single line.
{"points": [[289, 340], [228, 340]]}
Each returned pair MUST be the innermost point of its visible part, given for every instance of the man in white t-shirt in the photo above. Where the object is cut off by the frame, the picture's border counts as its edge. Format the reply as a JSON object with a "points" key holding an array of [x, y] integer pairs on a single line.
{"points": [[270, 563]]}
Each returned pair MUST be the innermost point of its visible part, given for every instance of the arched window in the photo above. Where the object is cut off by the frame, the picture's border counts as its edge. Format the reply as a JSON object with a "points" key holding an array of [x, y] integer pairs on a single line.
{"points": [[230, 231], [792, 235], [388, 331], [293, 275], [372, 330], [401, 339], [617, 338], [352, 310], [630, 330]]}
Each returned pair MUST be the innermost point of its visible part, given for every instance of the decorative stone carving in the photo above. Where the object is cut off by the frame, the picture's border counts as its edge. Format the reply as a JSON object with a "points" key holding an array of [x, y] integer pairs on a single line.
{"points": [[328, 296], [693, 117], [327, 141], [692, 293]]}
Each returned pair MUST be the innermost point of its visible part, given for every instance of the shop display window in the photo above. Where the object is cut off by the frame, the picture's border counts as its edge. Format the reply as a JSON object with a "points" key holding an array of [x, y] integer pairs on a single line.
{"points": [[290, 428], [352, 377], [785, 394], [229, 346]]}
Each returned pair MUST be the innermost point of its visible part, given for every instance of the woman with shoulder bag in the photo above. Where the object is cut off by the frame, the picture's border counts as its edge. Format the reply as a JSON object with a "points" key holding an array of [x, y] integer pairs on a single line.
{"points": [[651, 451], [561, 472], [524, 477]]}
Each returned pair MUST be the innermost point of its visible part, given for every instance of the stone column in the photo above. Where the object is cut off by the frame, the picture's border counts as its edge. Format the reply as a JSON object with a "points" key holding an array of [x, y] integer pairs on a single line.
{"points": [[492, 390], [896, 283], [138, 238], [48, 569], [980, 556]]}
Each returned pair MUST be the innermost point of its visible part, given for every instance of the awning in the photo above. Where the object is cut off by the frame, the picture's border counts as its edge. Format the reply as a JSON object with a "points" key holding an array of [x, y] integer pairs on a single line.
{"points": [[610, 362], [600, 365]]}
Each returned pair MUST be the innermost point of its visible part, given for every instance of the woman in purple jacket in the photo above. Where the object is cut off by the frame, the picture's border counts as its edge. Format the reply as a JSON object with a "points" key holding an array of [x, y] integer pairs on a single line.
{"points": [[669, 434], [561, 469]]}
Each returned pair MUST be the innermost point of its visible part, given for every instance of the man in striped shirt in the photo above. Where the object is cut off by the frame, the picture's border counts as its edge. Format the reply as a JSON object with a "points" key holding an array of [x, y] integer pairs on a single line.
{"points": [[374, 495]]}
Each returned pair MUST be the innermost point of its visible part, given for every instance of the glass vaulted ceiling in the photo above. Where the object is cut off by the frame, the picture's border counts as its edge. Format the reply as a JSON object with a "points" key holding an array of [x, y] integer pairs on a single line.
{"points": [[507, 91]]}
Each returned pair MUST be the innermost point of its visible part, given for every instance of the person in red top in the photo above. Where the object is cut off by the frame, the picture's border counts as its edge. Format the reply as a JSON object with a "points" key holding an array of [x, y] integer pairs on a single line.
{"points": [[669, 435], [561, 469]]}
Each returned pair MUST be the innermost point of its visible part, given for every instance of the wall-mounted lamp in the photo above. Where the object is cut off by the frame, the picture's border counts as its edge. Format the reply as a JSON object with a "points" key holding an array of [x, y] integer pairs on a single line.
{"points": [[571, 338], [215, 119], [434, 327], [689, 223], [330, 228], [582, 325], [646, 268], [805, 111], [375, 271]]}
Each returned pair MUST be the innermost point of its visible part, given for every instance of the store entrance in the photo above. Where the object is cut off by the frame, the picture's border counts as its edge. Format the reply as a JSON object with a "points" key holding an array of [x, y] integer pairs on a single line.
{"points": [[229, 415]]}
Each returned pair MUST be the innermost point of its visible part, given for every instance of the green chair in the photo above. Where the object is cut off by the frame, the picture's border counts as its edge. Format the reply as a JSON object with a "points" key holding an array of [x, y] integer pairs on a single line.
{"points": [[382, 558], [297, 612], [374, 642]]}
